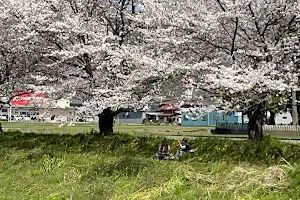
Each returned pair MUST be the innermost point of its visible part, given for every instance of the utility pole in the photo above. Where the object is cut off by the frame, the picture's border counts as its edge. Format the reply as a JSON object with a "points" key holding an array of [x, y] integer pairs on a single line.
{"points": [[294, 108]]}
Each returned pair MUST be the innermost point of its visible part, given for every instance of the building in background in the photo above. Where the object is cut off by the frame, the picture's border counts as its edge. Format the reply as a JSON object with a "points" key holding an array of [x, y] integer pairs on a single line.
{"points": [[131, 117], [282, 118], [211, 118], [28, 105]]}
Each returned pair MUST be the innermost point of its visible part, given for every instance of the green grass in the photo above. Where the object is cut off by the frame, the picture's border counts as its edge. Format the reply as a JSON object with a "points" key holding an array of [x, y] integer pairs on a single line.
{"points": [[41, 127], [82, 166], [138, 129], [132, 129]]}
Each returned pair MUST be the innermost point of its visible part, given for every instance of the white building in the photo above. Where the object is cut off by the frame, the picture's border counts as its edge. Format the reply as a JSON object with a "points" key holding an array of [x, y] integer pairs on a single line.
{"points": [[283, 118]]}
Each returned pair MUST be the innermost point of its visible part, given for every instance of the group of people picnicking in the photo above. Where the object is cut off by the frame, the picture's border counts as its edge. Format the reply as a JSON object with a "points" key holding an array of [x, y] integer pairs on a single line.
{"points": [[164, 149]]}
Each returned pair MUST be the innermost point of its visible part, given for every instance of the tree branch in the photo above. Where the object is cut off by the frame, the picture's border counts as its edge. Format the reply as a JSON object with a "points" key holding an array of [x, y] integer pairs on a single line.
{"points": [[74, 6], [220, 4], [234, 35], [291, 21], [254, 18], [214, 45]]}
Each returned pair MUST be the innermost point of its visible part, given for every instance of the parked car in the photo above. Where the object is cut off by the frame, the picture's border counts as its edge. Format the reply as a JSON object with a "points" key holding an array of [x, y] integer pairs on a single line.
{"points": [[3, 117], [25, 118], [89, 119], [17, 118], [86, 119]]}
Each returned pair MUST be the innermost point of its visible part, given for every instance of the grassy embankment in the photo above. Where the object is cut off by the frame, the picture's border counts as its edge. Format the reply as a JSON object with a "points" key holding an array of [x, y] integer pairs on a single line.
{"points": [[69, 166]]}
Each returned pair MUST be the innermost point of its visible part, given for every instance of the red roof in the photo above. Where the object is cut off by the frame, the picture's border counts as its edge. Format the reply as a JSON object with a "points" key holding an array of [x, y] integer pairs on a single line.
{"points": [[165, 114], [26, 98], [168, 107]]}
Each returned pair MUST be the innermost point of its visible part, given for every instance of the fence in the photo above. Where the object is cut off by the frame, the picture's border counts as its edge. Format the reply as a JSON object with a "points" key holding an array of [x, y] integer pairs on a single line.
{"points": [[287, 128], [222, 127]]}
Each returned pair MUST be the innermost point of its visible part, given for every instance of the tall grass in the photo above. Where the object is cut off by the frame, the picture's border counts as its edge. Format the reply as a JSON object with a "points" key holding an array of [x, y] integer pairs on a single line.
{"points": [[120, 166]]}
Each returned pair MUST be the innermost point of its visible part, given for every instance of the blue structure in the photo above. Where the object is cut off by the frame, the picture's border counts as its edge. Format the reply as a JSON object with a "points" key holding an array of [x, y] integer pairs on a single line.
{"points": [[137, 117], [212, 118], [130, 117]]}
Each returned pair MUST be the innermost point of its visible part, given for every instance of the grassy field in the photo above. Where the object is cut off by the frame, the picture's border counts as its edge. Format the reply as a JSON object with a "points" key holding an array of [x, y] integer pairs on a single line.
{"points": [[138, 129], [45, 161], [118, 167], [132, 129]]}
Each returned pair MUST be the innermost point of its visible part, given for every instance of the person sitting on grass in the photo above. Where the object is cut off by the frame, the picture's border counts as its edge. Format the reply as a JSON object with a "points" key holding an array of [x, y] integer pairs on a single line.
{"points": [[163, 150], [184, 147]]}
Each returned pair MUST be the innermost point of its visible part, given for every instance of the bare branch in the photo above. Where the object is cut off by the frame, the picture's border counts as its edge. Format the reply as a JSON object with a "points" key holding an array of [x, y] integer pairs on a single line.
{"points": [[234, 35], [221, 5], [255, 20], [214, 45]]}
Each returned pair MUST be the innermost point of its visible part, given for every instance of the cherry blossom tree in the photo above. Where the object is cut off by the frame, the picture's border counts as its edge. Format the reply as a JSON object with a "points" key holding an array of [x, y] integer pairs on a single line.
{"points": [[16, 58], [99, 51], [245, 52]]}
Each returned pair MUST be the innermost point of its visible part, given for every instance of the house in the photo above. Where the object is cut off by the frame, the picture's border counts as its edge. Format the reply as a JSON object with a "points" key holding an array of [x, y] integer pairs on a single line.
{"points": [[165, 112], [131, 117], [211, 118], [152, 113], [195, 113], [284, 117], [31, 105], [168, 112]]}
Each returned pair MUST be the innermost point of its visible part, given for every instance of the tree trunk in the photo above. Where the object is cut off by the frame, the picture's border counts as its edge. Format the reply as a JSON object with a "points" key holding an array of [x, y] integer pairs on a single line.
{"points": [[255, 131], [294, 108], [272, 118], [1, 131], [106, 121], [133, 7]]}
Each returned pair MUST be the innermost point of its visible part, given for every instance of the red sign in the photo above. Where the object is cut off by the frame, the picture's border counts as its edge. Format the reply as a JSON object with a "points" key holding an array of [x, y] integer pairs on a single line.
{"points": [[27, 98]]}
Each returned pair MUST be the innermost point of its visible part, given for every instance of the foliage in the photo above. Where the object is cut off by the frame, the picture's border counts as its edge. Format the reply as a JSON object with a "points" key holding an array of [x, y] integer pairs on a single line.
{"points": [[17, 57], [53, 166], [244, 52], [98, 51], [50, 163], [105, 54]]}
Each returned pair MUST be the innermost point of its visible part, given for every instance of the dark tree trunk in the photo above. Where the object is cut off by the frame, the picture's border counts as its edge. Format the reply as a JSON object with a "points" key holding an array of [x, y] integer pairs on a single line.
{"points": [[255, 131], [272, 118], [1, 131], [106, 120]]}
